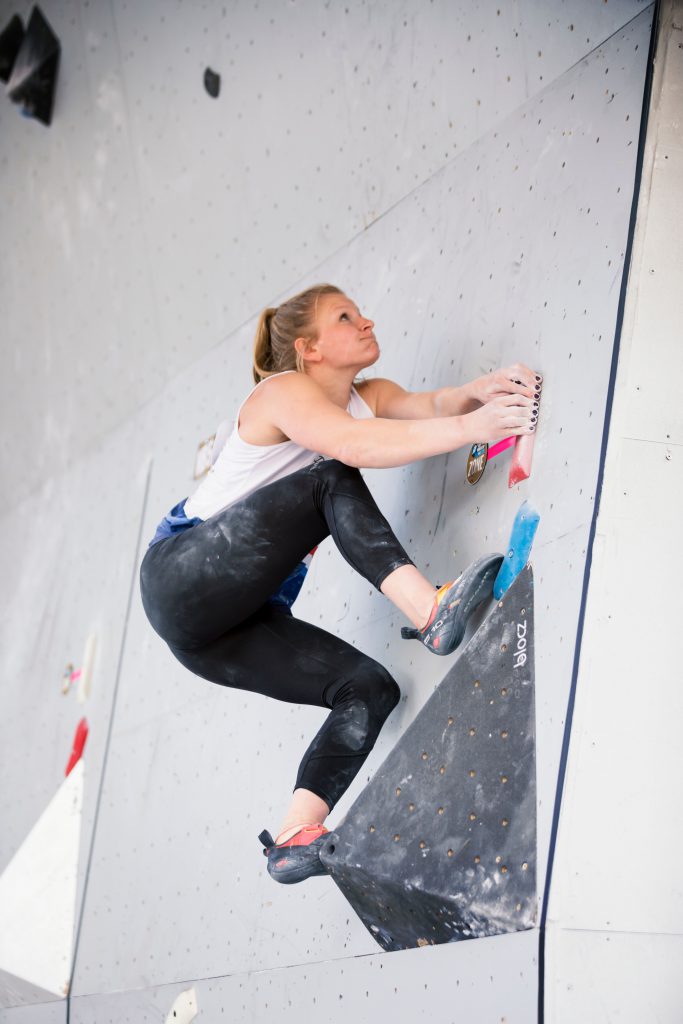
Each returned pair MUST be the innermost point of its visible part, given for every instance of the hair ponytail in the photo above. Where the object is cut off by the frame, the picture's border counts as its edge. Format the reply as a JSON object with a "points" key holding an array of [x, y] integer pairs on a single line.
{"points": [[263, 349], [279, 327]]}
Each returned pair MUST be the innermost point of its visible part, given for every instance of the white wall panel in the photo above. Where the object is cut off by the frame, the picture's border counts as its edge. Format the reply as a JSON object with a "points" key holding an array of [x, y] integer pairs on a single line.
{"points": [[614, 978], [504, 254], [615, 916], [169, 218]]}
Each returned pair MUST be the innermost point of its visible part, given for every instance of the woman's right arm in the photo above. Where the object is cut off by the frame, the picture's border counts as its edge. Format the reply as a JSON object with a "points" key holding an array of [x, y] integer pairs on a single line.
{"points": [[299, 408]]}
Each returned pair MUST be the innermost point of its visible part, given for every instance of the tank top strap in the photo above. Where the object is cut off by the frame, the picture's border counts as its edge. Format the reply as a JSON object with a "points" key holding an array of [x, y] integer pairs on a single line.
{"points": [[270, 377]]}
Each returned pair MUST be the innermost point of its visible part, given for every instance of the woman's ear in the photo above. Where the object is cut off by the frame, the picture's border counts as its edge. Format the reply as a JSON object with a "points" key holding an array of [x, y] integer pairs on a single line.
{"points": [[307, 350]]}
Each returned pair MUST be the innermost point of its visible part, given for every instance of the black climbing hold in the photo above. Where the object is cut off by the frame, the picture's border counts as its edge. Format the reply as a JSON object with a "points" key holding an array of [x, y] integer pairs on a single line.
{"points": [[212, 82], [441, 844], [10, 41], [34, 73]]}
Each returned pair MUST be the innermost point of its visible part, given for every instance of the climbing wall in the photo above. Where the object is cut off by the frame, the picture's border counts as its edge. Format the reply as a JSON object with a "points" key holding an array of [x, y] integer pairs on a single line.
{"points": [[615, 932], [467, 177]]}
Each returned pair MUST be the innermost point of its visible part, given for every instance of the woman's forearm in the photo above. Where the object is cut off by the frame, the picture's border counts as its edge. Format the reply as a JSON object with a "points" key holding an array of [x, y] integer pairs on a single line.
{"points": [[454, 401], [383, 443]]}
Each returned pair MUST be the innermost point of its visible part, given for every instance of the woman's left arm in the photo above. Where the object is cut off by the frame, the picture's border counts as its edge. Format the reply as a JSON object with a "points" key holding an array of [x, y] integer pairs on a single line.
{"points": [[395, 403]]}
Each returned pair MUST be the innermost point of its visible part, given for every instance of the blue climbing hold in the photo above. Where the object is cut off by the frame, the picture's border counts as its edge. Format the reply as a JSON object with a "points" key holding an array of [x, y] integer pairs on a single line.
{"points": [[518, 549]]}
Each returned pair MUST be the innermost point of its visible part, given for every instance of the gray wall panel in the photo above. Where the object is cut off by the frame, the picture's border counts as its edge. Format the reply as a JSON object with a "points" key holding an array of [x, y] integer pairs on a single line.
{"points": [[486, 982], [47, 1013], [67, 562], [171, 217], [512, 251]]}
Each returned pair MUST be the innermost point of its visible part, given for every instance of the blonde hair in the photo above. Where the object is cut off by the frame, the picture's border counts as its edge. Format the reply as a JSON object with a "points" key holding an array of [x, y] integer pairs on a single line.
{"points": [[280, 326]]}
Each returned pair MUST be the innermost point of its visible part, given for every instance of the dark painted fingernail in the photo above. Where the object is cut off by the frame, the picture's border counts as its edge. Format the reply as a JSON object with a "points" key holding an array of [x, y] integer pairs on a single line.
{"points": [[538, 389], [536, 404], [538, 378]]}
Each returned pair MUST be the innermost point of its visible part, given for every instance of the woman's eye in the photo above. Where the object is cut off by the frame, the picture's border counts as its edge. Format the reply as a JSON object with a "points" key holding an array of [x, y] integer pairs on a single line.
{"points": [[344, 315]]}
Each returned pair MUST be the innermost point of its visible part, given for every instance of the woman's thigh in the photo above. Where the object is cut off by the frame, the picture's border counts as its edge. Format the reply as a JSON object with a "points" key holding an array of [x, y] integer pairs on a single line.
{"points": [[280, 656], [202, 582]]}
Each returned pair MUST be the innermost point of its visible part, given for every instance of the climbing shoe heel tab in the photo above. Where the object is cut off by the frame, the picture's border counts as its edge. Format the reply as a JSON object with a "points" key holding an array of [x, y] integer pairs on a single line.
{"points": [[409, 633], [266, 838]]}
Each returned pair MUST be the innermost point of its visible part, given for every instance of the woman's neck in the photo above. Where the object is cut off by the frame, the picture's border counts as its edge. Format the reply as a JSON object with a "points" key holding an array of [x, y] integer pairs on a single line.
{"points": [[336, 385]]}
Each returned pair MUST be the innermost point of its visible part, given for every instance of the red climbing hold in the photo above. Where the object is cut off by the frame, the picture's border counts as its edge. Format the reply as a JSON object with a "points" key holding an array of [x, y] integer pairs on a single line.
{"points": [[80, 737]]}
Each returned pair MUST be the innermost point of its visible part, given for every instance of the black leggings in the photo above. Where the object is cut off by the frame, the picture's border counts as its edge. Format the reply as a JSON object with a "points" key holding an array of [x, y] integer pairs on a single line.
{"points": [[206, 590]]}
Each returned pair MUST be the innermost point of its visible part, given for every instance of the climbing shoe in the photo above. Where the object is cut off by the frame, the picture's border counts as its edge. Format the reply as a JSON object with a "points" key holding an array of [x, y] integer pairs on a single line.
{"points": [[298, 857], [454, 604]]}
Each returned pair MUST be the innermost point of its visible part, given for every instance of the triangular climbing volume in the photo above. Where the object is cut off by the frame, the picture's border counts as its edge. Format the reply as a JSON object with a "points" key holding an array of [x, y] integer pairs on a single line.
{"points": [[441, 844]]}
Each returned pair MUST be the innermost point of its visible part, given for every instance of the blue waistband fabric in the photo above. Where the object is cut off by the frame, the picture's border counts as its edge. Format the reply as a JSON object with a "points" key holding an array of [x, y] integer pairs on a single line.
{"points": [[176, 521]]}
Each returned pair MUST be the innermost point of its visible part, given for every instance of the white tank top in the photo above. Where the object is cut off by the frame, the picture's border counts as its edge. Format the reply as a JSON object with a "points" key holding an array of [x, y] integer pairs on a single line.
{"points": [[240, 468]]}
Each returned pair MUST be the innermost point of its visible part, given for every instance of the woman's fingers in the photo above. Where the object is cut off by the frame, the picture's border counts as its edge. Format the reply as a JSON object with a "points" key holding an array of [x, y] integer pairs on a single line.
{"points": [[518, 413], [519, 379]]}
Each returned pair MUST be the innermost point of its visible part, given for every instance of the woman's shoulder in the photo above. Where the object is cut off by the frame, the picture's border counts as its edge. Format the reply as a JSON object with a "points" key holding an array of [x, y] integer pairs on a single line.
{"points": [[370, 391], [255, 424]]}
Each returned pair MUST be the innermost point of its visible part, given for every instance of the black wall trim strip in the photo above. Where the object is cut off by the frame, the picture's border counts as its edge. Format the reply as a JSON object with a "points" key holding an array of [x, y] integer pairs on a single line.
{"points": [[647, 93]]}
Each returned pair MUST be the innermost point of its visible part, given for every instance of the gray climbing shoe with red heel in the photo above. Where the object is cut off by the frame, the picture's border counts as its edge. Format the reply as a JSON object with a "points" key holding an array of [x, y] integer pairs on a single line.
{"points": [[298, 857], [454, 604]]}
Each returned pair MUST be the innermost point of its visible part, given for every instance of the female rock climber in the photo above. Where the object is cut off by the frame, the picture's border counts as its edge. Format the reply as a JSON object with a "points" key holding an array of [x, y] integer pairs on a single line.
{"points": [[225, 565]]}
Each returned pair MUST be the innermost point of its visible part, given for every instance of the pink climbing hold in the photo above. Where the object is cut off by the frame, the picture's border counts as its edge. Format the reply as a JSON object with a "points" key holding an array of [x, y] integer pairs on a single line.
{"points": [[520, 467], [500, 446]]}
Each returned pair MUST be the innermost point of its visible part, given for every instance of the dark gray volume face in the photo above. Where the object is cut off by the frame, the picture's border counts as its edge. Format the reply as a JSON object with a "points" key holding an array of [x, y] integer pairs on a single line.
{"points": [[441, 844]]}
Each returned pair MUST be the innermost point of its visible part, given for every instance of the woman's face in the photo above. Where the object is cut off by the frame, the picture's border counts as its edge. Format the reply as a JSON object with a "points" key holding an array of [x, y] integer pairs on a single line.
{"points": [[345, 337]]}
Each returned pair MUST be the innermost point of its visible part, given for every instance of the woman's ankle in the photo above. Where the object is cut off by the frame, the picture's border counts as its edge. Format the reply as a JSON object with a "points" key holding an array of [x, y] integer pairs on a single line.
{"points": [[306, 808], [411, 593], [291, 830]]}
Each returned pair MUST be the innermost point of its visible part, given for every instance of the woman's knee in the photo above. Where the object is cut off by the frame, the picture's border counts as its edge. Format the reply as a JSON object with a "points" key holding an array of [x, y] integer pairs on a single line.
{"points": [[386, 693], [373, 687], [334, 471]]}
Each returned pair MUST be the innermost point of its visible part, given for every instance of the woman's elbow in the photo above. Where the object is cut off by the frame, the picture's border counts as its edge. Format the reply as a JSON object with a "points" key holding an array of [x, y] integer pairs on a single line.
{"points": [[347, 452]]}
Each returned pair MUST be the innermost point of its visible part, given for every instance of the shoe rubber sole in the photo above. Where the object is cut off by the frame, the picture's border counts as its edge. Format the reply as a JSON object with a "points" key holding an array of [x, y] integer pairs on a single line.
{"points": [[290, 864]]}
